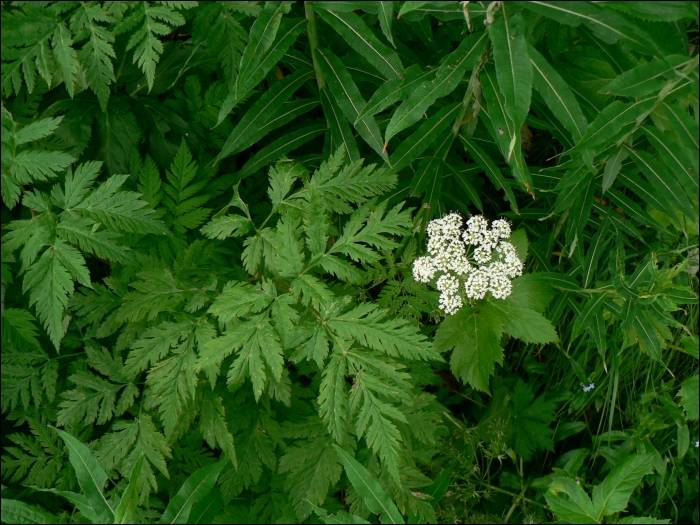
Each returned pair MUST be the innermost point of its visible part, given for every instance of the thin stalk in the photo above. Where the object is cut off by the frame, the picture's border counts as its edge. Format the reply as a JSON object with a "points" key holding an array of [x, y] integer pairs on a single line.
{"points": [[313, 40]]}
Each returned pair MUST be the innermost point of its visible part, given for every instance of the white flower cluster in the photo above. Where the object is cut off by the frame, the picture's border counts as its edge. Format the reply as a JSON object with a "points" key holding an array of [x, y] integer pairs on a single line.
{"points": [[494, 261]]}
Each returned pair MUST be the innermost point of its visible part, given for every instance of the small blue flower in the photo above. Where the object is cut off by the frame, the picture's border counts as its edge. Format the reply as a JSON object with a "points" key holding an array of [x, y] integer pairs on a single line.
{"points": [[589, 387], [696, 444]]}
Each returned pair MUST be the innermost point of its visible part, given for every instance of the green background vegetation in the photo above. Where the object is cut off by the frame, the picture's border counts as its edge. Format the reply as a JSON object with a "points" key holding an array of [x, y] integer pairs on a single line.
{"points": [[209, 215]]}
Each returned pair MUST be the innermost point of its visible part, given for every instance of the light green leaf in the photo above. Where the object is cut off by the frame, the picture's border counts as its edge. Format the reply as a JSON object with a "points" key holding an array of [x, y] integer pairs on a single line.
{"points": [[238, 300], [525, 324], [576, 507], [194, 489], [677, 157], [66, 57], [368, 487], [689, 396], [473, 335], [646, 78], [613, 494], [91, 476], [130, 499]]}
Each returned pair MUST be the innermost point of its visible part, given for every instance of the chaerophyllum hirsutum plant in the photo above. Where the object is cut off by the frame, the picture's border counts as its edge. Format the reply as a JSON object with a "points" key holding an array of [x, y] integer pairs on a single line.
{"points": [[479, 272]]}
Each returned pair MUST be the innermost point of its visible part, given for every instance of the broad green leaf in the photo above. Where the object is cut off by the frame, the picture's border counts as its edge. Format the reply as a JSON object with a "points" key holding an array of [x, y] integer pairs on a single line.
{"points": [[613, 494], [645, 78], [341, 134], [576, 507], [15, 511], [368, 487], [272, 152], [262, 352], [531, 421], [525, 324], [427, 133], [124, 512], [249, 129], [447, 79], [666, 187], [194, 489], [349, 99], [492, 171], [513, 67], [91, 476], [473, 335], [385, 11], [689, 396], [362, 39]]}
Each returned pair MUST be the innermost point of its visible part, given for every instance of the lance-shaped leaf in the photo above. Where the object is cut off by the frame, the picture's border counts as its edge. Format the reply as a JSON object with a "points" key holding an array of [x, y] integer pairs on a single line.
{"points": [[645, 78], [362, 39], [492, 171], [612, 167], [558, 95], [262, 36], [249, 129], [349, 99], [195, 488], [587, 314], [386, 16], [428, 132], [272, 152], [677, 158], [394, 90], [91, 476], [509, 143], [666, 187], [473, 335], [686, 129], [513, 67], [15, 511], [341, 134], [446, 80], [368, 487], [130, 499]]}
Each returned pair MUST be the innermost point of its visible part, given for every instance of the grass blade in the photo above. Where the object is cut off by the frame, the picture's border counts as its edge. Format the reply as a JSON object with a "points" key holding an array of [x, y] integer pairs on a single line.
{"points": [[194, 489]]}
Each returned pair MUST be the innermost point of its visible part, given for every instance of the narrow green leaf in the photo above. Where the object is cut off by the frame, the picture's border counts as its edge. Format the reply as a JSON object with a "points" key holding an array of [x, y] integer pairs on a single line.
{"points": [[280, 147], [341, 135], [208, 508], [361, 38], [349, 99], [446, 80], [612, 168], [249, 127], [130, 499], [411, 148], [669, 191], [645, 78], [368, 487], [594, 252], [587, 314], [91, 476], [492, 172], [193, 490], [386, 16], [262, 36], [513, 67], [394, 90], [677, 158]]}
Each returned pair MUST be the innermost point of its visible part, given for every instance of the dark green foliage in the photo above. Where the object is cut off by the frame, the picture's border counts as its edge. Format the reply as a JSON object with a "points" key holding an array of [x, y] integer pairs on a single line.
{"points": [[210, 212]]}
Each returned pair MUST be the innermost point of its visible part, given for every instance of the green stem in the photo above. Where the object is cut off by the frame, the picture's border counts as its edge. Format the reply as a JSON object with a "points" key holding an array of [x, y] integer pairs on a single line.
{"points": [[313, 40]]}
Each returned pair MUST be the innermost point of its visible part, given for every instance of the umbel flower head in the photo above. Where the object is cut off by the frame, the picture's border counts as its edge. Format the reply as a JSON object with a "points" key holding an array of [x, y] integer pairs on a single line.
{"points": [[471, 262]]}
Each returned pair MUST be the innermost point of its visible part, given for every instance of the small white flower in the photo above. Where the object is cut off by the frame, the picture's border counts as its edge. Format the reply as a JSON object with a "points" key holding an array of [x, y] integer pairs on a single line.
{"points": [[502, 227], [499, 286], [482, 254], [490, 239], [589, 387], [477, 284], [448, 284], [477, 224], [450, 303], [423, 269]]}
